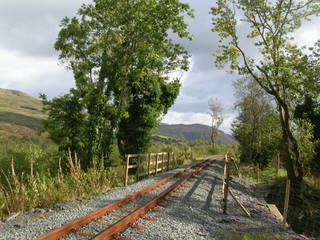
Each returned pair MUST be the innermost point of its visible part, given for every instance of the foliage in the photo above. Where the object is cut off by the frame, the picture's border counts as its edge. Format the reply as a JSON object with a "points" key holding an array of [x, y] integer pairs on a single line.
{"points": [[279, 66], [66, 122], [150, 99], [200, 148], [309, 110], [31, 154], [216, 119], [121, 56], [267, 175], [257, 127], [304, 133]]}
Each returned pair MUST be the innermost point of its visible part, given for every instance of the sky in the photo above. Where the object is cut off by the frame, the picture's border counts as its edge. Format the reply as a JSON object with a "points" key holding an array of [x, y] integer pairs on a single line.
{"points": [[29, 63]]}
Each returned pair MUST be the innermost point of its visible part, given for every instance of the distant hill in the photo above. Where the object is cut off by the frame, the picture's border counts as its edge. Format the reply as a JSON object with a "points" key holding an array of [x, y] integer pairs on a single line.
{"points": [[20, 114], [192, 132]]}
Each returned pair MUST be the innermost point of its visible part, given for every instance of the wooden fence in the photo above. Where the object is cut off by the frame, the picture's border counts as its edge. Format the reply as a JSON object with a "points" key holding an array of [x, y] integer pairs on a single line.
{"points": [[152, 163]]}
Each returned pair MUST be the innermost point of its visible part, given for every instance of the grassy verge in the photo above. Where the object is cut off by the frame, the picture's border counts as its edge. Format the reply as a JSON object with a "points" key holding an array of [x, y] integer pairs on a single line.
{"points": [[236, 236], [21, 193]]}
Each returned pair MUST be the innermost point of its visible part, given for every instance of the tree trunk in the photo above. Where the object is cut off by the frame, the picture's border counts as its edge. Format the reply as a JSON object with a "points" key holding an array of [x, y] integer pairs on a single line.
{"points": [[291, 160]]}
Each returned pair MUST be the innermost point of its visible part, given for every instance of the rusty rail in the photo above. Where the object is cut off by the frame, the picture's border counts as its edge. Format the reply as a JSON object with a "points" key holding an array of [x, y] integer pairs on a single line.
{"points": [[131, 218], [95, 215]]}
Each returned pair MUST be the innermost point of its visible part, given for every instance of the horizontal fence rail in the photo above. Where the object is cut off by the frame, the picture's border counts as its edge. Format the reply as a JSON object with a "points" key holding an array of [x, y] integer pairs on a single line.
{"points": [[152, 163]]}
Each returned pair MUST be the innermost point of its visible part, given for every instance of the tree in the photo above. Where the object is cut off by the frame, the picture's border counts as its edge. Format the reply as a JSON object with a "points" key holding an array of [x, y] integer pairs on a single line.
{"points": [[257, 127], [310, 110], [145, 109], [121, 56], [216, 119], [279, 67], [65, 122]]}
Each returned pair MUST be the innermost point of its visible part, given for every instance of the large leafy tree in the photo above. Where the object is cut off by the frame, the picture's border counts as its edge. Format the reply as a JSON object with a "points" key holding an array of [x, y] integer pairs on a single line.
{"points": [[278, 66], [257, 127], [121, 55]]}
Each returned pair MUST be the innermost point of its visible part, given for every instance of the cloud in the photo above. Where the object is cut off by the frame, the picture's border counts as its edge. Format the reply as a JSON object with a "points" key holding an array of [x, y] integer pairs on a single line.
{"points": [[308, 34], [31, 27], [33, 75]]}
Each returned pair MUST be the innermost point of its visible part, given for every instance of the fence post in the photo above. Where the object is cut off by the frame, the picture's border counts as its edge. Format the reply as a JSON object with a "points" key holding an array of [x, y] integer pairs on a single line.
{"points": [[172, 159], [162, 161], [149, 159], [156, 165], [225, 184], [278, 164], [126, 170], [286, 204], [138, 167], [168, 162]]}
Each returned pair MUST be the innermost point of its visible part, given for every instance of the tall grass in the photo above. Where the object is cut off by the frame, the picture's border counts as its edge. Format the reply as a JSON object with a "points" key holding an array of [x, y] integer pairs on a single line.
{"points": [[22, 192]]}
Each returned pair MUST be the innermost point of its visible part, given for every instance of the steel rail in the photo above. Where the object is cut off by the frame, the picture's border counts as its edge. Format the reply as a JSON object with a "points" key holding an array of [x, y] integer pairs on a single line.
{"points": [[127, 221], [59, 232]]}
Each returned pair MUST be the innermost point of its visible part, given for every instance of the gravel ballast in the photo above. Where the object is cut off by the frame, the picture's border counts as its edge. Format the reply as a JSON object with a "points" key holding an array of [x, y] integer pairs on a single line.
{"points": [[196, 214]]}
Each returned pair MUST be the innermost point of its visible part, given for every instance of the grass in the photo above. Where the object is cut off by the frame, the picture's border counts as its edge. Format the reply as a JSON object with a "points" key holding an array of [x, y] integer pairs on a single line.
{"points": [[267, 176], [20, 114], [20, 103], [22, 192], [234, 235], [254, 237]]}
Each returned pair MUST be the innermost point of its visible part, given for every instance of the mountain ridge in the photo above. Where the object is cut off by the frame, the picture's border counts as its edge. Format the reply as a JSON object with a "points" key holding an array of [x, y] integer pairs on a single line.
{"points": [[193, 132]]}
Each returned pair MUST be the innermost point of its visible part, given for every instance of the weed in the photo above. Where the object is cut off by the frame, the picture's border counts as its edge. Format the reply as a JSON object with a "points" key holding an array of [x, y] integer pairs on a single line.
{"points": [[20, 193]]}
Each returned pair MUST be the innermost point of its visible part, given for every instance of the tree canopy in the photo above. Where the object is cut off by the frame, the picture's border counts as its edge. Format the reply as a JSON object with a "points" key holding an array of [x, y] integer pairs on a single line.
{"points": [[121, 54]]}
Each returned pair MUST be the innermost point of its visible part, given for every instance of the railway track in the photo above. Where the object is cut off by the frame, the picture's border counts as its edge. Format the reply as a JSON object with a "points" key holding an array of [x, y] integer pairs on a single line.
{"points": [[109, 221]]}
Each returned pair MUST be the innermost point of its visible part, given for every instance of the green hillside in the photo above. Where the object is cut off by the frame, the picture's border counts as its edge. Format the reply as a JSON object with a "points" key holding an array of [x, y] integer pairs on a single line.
{"points": [[20, 114]]}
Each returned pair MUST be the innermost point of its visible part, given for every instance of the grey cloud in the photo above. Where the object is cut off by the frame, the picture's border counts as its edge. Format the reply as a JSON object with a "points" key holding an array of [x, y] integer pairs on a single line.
{"points": [[31, 27], [203, 79]]}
